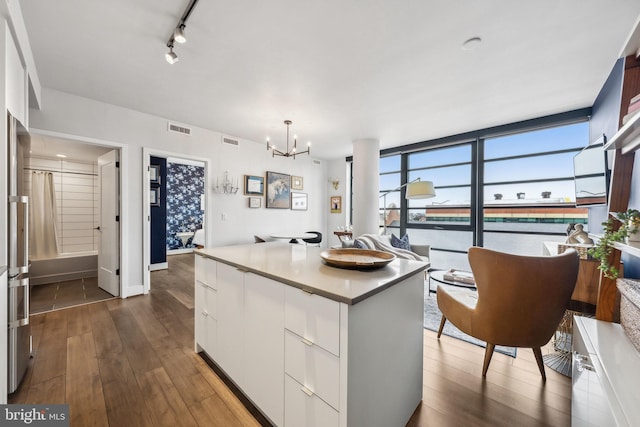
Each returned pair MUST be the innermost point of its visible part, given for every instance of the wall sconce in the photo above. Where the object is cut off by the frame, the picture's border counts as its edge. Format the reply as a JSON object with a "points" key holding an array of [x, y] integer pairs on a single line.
{"points": [[227, 186], [335, 182]]}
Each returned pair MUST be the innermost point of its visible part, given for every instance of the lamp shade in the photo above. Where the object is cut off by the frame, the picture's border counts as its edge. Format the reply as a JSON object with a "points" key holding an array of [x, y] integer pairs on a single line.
{"points": [[420, 190]]}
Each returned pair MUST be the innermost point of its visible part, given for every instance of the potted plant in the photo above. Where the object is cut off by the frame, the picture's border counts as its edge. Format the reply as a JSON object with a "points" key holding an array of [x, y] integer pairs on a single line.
{"points": [[628, 222]]}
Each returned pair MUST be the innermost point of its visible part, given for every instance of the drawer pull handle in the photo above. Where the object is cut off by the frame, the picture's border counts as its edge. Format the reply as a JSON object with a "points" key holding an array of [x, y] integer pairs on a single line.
{"points": [[244, 270], [307, 342], [307, 391], [204, 313]]}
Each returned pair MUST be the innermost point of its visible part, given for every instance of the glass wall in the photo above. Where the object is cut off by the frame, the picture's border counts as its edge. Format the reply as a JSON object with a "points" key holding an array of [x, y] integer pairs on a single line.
{"points": [[509, 192]]}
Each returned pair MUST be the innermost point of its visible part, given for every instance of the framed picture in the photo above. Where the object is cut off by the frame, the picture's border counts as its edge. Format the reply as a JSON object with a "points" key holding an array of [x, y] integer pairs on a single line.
{"points": [[336, 204], [298, 201], [255, 202], [253, 185], [154, 197], [154, 174], [297, 183], [278, 189]]}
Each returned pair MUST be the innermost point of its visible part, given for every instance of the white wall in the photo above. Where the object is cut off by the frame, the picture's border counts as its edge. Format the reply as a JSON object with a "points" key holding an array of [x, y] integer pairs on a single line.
{"points": [[71, 115], [337, 169]]}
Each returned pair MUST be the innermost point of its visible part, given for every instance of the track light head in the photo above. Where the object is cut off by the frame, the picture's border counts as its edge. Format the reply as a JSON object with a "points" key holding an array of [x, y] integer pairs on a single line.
{"points": [[178, 34], [171, 56]]}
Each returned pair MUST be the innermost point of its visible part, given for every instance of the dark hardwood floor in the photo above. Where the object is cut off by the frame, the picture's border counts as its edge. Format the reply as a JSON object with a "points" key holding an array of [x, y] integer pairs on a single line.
{"points": [[131, 363]]}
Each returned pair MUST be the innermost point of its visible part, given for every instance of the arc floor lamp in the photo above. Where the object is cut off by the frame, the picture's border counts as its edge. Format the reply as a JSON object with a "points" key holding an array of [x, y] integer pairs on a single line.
{"points": [[416, 189]]}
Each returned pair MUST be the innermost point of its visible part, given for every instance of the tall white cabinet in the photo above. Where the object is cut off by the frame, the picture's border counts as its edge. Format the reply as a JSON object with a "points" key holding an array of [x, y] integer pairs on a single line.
{"points": [[304, 359]]}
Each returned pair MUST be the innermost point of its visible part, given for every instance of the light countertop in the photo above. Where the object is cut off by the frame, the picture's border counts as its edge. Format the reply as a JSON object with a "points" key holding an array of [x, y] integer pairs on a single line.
{"points": [[301, 266]]}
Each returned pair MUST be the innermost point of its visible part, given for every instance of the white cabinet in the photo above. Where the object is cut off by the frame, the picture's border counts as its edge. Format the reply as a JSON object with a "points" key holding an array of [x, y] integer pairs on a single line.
{"points": [[605, 375], [306, 360], [314, 318], [205, 305], [304, 408], [230, 347], [312, 367], [264, 344]]}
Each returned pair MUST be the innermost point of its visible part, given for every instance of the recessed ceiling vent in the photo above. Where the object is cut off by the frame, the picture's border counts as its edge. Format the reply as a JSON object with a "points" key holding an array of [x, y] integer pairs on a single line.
{"points": [[316, 162], [181, 129], [230, 141]]}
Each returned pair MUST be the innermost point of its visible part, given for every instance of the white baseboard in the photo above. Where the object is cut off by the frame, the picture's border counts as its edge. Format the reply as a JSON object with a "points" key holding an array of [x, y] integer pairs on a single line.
{"points": [[180, 251], [159, 266]]}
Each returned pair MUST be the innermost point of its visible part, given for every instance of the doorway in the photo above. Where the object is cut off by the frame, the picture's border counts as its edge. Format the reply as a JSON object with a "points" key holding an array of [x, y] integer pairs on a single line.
{"points": [[71, 175], [175, 203]]}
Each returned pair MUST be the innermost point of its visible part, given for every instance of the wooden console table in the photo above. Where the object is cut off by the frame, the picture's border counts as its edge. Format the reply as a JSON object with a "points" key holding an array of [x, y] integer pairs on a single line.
{"points": [[343, 235], [586, 290]]}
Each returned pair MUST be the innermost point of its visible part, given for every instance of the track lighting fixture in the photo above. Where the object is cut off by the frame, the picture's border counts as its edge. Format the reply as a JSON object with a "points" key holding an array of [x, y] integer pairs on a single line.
{"points": [[171, 56], [177, 35]]}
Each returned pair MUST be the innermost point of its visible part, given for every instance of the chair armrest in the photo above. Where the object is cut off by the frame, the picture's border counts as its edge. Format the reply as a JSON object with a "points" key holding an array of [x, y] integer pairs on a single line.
{"points": [[422, 250]]}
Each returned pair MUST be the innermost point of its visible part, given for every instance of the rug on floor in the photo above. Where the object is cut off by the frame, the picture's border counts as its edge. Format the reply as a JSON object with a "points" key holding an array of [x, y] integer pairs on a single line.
{"points": [[432, 316]]}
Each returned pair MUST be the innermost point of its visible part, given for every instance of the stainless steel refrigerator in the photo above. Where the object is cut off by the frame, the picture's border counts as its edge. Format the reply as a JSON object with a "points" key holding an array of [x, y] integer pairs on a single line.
{"points": [[19, 333]]}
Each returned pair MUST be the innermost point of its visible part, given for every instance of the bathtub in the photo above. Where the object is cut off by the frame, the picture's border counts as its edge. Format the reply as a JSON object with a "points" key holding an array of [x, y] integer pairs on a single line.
{"points": [[66, 266]]}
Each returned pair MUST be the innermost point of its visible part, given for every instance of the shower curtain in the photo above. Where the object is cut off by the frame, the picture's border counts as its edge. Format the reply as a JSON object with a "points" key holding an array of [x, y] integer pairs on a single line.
{"points": [[43, 236]]}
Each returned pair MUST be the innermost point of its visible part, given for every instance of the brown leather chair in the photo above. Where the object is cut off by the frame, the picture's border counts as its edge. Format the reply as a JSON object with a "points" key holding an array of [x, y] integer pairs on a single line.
{"points": [[520, 300]]}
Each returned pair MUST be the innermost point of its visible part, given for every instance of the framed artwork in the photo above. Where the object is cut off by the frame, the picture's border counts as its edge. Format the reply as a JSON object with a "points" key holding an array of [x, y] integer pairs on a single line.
{"points": [[253, 185], [278, 189], [255, 202], [154, 197], [154, 174], [297, 183], [336, 204], [298, 201]]}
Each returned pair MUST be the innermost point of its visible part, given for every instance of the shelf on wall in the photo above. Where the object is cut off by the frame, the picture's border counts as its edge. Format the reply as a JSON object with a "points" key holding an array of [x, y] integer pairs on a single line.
{"points": [[631, 250], [627, 138]]}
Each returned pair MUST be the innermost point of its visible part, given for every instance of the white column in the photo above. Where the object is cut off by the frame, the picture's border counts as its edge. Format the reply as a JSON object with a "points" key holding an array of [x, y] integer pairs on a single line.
{"points": [[366, 175]]}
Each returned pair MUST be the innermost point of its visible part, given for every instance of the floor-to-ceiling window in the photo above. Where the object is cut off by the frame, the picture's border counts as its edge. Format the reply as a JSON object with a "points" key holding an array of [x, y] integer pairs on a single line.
{"points": [[508, 188], [528, 191]]}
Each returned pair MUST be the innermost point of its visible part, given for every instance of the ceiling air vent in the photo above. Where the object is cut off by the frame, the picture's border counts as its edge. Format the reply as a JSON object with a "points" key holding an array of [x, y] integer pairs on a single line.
{"points": [[230, 141], [173, 127], [316, 162]]}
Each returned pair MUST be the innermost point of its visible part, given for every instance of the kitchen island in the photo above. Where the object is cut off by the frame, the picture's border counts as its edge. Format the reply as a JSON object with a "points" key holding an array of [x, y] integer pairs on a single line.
{"points": [[309, 344]]}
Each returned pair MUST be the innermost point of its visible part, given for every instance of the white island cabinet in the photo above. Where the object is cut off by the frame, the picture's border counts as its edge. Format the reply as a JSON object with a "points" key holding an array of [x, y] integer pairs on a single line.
{"points": [[309, 344]]}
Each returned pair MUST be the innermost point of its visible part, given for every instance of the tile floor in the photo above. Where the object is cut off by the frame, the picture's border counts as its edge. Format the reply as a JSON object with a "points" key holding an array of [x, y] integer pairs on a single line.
{"points": [[54, 296]]}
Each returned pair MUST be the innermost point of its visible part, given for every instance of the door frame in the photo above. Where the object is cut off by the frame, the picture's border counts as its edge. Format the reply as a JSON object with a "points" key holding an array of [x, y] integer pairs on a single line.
{"points": [[147, 152], [123, 155]]}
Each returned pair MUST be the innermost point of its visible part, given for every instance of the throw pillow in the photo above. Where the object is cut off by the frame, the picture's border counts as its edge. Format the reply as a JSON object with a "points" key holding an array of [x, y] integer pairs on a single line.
{"points": [[402, 243], [358, 244]]}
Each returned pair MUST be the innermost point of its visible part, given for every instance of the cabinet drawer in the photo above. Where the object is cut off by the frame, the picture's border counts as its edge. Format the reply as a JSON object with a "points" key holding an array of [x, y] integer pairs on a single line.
{"points": [[205, 271], [313, 317], [303, 408], [313, 367], [206, 300]]}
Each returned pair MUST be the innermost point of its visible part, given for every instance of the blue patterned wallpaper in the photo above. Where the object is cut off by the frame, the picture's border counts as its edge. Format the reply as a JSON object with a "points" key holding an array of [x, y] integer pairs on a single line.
{"points": [[185, 185]]}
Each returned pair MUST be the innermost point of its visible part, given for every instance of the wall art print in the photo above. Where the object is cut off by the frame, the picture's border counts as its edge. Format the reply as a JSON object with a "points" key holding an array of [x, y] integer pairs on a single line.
{"points": [[278, 190], [336, 204], [297, 183], [185, 185], [255, 202], [253, 185], [298, 201]]}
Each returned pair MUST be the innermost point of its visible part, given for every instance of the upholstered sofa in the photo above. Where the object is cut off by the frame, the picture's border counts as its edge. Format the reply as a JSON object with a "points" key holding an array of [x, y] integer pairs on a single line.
{"points": [[383, 243]]}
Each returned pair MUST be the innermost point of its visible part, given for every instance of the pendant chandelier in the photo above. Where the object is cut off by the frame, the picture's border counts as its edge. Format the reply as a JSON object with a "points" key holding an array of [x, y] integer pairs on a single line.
{"points": [[289, 153]]}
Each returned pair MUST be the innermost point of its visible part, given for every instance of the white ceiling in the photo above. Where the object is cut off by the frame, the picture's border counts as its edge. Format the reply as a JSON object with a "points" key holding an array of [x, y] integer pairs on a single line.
{"points": [[340, 69]]}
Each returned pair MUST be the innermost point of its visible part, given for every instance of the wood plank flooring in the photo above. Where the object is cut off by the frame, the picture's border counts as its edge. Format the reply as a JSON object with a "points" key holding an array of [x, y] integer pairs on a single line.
{"points": [[131, 363]]}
